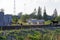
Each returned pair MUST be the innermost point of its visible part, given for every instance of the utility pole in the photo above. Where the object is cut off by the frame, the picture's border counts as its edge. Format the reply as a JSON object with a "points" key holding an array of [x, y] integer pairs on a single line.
{"points": [[14, 7]]}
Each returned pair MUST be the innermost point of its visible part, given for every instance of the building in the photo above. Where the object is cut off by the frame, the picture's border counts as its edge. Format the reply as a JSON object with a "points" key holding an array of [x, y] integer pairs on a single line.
{"points": [[49, 17], [1, 17], [36, 22], [7, 20]]}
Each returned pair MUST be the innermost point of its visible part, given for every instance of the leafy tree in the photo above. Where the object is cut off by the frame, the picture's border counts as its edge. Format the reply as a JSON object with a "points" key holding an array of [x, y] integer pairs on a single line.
{"points": [[57, 18], [14, 19], [20, 14], [39, 15], [33, 14], [24, 18]]}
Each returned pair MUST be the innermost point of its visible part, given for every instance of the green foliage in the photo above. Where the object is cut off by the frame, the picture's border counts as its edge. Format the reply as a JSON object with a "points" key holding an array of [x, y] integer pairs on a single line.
{"points": [[55, 13], [2, 37], [35, 35], [47, 22], [47, 34], [33, 14], [39, 15], [24, 18], [45, 15], [14, 19], [19, 37], [57, 18]]}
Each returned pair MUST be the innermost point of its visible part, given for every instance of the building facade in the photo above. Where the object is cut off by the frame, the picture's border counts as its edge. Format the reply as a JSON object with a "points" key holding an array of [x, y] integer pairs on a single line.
{"points": [[7, 20], [36, 22], [1, 18]]}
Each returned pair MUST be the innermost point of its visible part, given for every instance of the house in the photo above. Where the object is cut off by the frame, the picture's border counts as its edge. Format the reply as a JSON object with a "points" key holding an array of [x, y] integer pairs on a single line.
{"points": [[7, 19], [50, 17], [36, 22]]}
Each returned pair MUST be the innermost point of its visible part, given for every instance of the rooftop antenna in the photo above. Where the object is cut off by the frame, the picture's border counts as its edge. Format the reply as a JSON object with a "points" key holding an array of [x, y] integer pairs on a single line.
{"points": [[14, 7]]}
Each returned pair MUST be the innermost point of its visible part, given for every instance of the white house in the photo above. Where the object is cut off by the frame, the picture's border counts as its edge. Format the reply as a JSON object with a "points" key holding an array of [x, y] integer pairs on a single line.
{"points": [[35, 22]]}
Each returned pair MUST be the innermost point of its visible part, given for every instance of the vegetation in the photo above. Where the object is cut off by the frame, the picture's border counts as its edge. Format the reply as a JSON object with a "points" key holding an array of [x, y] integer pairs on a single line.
{"points": [[43, 34], [36, 15], [33, 14], [45, 15], [14, 19], [39, 15], [57, 18], [47, 22], [24, 18]]}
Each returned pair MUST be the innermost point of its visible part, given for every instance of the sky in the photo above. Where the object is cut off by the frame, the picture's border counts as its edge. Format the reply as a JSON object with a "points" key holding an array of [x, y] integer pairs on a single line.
{"points": [[27, 6]]}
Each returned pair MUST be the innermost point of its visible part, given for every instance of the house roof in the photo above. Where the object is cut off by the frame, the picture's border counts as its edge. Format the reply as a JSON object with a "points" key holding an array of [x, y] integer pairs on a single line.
{"points": [[35, 20]]}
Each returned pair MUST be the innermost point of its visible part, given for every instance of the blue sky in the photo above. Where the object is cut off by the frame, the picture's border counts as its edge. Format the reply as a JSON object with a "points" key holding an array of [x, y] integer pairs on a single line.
{"points": [[27, 6]]}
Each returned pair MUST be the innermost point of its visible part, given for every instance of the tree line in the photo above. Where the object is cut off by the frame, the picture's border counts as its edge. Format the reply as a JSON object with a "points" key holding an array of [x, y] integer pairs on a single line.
{"points": [[38, 15]]}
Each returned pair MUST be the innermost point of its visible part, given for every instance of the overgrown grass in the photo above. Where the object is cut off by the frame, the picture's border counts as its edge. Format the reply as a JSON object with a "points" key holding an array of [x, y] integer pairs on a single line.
{"points": [[27, 34]]}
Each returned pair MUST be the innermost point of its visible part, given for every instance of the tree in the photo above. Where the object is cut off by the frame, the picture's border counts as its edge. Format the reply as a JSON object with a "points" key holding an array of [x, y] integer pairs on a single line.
{"points": [[45, 15], [39, 15], [24, 18], [14, 19], [20, 14], [55, 13], [33, 14], [1, 10], [57, 18]]}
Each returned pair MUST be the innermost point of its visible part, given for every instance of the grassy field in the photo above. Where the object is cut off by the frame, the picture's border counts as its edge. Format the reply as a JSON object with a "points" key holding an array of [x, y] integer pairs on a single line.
{"points": [[30, 34]]}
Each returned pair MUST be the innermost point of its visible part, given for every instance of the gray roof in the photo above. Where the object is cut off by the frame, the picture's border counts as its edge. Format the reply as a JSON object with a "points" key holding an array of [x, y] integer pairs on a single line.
{"points": [[35, 20]]}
